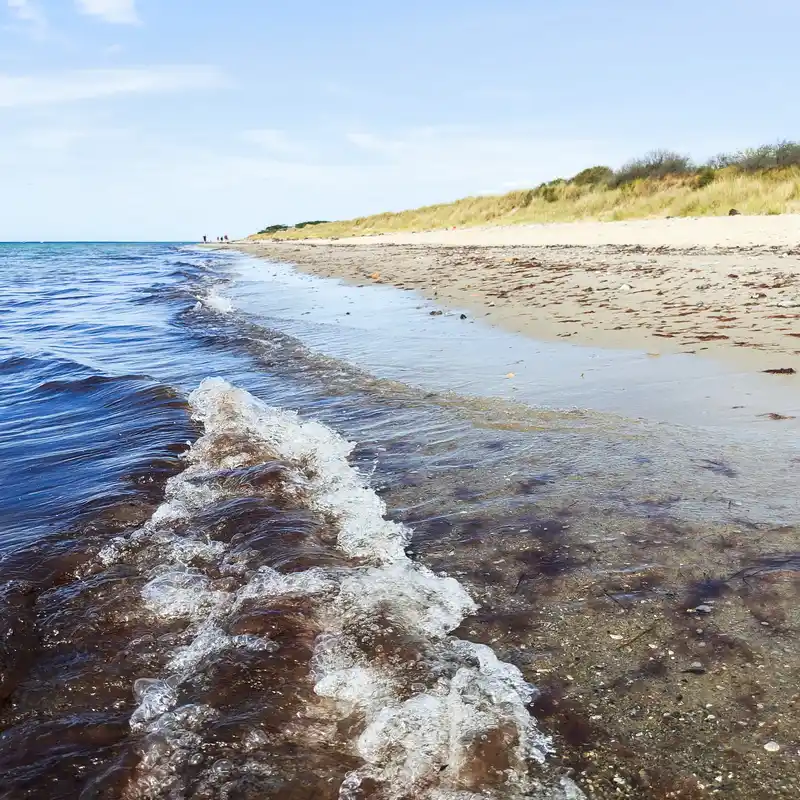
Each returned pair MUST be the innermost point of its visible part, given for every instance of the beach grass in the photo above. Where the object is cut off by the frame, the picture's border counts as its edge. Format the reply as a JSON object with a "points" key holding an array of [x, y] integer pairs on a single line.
{"points": [[662, 184]]}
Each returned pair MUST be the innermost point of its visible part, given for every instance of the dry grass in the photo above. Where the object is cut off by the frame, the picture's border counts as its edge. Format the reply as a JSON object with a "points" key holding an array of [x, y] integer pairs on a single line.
{"points": [[774, 191]]}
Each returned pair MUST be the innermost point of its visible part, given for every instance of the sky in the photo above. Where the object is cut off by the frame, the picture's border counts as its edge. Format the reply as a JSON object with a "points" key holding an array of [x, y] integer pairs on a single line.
{"points": [[171, 119]]}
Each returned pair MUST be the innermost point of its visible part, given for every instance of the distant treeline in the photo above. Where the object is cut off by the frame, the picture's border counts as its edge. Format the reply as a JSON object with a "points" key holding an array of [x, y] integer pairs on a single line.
{"points": [[278, 228]]}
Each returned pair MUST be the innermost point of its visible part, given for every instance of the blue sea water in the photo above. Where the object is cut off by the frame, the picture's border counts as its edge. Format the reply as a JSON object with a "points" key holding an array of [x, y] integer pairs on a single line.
{"points": [[99, 346]]}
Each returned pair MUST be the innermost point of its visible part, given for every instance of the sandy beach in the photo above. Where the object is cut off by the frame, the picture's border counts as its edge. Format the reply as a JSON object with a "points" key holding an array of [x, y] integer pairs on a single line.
{"points": [[727, 287]]}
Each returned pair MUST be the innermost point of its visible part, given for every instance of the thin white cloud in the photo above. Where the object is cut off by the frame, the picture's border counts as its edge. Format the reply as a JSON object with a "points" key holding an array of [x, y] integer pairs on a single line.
{"points": [[120, 12], [376, 144], [28, 12], [44, 90], [512, 159], [61, 139], [274, 141]]}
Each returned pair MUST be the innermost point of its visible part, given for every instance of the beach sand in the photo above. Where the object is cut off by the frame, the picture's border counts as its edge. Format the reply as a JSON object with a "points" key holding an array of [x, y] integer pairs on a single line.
{"points": [[728, 287]]}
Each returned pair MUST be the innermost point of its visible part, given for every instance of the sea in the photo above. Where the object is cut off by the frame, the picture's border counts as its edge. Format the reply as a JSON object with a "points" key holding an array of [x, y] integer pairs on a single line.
{"points": [[250, 519]]}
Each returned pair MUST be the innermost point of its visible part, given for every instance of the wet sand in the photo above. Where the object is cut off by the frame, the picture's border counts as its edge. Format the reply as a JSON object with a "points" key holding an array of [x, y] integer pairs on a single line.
{"points": [[666, 652], [739, 302]]}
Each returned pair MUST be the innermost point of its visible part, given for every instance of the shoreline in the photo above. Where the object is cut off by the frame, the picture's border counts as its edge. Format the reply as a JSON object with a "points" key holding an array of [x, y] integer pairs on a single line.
{"points": [[738, 303]]}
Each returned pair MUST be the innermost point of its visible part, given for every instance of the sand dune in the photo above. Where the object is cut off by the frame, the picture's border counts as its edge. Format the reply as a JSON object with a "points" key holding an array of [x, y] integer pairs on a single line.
{"points": [[736, 231]]}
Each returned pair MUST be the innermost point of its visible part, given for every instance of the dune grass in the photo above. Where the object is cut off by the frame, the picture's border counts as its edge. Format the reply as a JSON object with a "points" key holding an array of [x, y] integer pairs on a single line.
{"points": [[661, 184]]}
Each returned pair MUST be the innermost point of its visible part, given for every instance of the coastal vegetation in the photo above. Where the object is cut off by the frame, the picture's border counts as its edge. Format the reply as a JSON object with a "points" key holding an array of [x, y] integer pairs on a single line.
{"points": [[272, 229], [761, 180]]}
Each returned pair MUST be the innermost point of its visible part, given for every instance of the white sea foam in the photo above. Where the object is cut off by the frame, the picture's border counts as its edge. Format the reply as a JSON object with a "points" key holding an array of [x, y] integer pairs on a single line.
{"points": [[268, 582], [419, 734], [334, 488], [183, 593], [404, 741], [218, 302]]}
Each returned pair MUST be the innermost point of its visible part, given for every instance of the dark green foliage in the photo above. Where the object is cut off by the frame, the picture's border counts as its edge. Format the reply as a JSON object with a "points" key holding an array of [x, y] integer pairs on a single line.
{"points": [[757, 159], [278, 228], [549, 194], [548, 191], [705, 176], [656, 164], [592, 176]]}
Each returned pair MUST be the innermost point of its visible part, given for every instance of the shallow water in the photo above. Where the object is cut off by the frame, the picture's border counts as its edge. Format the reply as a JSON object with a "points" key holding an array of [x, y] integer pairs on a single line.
{"points": [[204, 595]]}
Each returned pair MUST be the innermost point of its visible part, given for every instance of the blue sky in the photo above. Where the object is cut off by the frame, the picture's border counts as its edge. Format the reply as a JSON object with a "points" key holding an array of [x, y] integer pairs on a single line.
{"points": [[170, 119]]}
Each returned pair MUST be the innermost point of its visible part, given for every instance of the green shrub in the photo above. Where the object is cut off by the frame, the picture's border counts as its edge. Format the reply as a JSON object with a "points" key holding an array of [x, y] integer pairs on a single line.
{"points": [[592, 176], [705, 176], [310, 222], [656, 164], [275, 229], [547, 192]]}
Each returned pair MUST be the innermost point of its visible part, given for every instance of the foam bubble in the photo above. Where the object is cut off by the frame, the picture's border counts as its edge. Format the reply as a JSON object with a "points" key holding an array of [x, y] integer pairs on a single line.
{"points": [[267, 582], [182, 593], [155, 698], [209, 641]]}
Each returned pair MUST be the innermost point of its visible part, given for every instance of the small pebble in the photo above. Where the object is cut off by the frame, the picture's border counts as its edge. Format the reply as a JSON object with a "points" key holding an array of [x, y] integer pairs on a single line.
{"points": [[772, 747], [696, 668], [704, 609]]}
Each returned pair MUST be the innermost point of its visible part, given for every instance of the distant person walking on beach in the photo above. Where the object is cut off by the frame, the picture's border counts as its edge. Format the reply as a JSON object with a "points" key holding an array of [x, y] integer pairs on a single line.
{"points": [[205, 240]]}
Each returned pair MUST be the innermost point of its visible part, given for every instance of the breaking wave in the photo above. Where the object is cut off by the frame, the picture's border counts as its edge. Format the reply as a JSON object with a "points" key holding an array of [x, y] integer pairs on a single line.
{"points": [[217, 302], [366, 688]]}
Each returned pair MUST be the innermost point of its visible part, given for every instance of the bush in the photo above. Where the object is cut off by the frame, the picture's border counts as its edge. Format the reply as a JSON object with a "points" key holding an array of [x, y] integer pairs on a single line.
{"points": [[311, 222], [521, 198], [548, 191], [758, 159], [656, 164], [275, 229], [592, 176], [549, 194], [705, 176]]}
